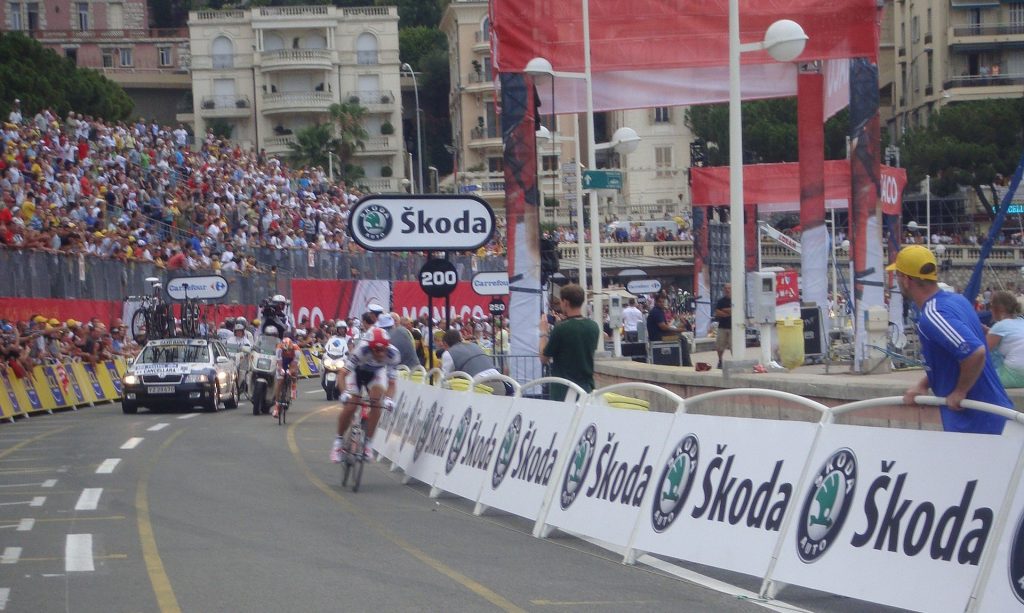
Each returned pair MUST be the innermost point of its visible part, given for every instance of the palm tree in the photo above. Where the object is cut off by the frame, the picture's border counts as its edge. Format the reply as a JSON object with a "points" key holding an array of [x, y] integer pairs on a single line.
{"points": [[312, 145], [348, 116]]}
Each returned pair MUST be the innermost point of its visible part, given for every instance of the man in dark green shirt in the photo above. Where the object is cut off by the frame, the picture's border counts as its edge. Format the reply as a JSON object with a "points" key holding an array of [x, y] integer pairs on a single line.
{"points": [[569, 347]]}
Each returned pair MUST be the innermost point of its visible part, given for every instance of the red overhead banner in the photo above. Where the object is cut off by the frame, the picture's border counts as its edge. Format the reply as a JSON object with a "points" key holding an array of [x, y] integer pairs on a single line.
{"points": [[410, 301]]}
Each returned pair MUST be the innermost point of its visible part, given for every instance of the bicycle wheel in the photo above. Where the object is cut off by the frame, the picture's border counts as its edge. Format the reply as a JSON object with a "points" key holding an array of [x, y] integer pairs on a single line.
{"points": [[346, 468], [357, 478], [138, 326]]}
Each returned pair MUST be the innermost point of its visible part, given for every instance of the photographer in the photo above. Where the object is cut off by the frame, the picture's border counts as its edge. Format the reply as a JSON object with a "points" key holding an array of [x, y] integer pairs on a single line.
{"points": [[274, 313]]}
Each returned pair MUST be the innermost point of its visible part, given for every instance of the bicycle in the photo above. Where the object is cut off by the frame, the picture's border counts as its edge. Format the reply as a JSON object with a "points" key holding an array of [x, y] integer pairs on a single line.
{"points": [[284, 397], [152, 321], [354, 445]]}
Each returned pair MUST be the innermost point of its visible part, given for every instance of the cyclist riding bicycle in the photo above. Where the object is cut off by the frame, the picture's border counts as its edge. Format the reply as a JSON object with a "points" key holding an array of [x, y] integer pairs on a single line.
{"points": [[286, 353], [370, 366]]}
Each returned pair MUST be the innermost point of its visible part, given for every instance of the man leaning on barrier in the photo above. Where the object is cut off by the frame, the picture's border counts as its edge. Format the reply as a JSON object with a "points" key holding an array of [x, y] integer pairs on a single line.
{"points": [[570, 345], [957, 364]]}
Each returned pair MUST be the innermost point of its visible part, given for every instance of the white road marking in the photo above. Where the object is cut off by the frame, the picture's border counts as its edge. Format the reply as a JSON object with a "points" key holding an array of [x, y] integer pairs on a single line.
{"points": [[26, 524], [107, 466], [132, 443], [49, 483], [11, 555], [158, 427], [19, 485], [90, 499], [37, 501], [189, 416], [5, 594], [78, 553], [315, 392]]}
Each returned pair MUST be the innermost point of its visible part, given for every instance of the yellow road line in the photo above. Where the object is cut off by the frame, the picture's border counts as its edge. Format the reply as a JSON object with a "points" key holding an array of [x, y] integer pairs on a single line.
{"points": [[29, 441], [474, 586], [162, 589]]}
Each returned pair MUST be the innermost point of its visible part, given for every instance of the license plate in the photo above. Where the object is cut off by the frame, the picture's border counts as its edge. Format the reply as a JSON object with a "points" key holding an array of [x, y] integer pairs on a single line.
{"points": [[331, 377], [160, 389]]}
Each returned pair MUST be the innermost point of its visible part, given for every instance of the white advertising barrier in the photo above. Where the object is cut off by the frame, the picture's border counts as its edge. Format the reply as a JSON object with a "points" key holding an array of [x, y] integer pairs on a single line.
{"points": [[394, 426], [608, 473], [533, 436], [721, 488], [415, 431], [1005, 583], [897, 517], [474, 445]]}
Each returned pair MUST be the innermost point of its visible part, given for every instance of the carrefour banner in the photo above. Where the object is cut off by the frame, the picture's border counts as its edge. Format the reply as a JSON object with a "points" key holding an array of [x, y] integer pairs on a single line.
{"points": [[473, 447], [721, 488], [883, 510], [531, 442], [610, 472]]}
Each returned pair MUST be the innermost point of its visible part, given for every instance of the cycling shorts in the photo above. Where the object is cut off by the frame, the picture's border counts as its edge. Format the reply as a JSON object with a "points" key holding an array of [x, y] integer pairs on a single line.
{"points": [[360, 379]]}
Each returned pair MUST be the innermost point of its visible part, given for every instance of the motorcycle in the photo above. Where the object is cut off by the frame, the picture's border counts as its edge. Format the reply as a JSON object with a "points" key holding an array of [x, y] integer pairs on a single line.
{"points": [[263, 367], [333, 360]]}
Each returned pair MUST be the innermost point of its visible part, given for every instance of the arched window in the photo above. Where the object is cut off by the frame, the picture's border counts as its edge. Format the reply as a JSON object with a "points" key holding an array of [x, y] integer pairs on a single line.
{"points": [[272, 42], [366, 49], [223, 52], [485, 29]]}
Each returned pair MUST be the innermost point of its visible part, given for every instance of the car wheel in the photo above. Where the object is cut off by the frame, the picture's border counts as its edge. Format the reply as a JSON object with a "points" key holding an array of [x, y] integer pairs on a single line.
{"points": [[129, 408], [232, 401], [214, 401]]}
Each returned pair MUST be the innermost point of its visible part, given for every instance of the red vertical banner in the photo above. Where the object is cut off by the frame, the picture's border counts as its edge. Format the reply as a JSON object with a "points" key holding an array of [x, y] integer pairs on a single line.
{"points": [[753, 249], [811, 138], [865, 212]]}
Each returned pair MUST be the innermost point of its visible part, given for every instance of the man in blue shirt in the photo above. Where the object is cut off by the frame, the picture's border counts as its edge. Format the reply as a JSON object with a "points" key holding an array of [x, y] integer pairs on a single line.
{"points": [[957, 365]]}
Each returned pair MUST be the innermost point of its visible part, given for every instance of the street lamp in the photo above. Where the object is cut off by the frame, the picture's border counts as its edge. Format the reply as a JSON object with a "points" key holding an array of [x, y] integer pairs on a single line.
{"points": [[784, 40], [435, 181], [624, 141], [330, 165], [419, 136]]}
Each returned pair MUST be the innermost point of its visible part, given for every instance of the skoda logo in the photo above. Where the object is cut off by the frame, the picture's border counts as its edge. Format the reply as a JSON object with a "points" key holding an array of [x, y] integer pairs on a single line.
{"points": [[374, 222], [579, 465], [428, 423], [675, 482], [826, 505], [458, 441], [508, 446]]}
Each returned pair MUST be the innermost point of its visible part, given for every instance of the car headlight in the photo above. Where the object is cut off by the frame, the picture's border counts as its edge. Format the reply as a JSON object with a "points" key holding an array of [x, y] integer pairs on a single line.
{"points": [[197, 378], [131, 379], [330, 363], [222, 376]]}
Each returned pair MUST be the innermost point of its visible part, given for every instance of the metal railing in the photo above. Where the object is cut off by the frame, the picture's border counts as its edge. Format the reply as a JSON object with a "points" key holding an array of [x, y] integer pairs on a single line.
{"points": [[988, 29], [983, 80], [225, 102]]}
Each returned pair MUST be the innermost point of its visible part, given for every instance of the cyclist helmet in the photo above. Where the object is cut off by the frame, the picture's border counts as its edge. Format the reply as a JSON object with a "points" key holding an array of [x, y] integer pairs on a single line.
{"points": [[341, 324], [378, 339], [278, 298], [239, 327], [271, 331]]}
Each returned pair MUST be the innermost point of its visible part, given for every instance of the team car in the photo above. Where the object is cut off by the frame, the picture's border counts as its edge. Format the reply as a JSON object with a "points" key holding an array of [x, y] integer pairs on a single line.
{"points": [[181, 373]]}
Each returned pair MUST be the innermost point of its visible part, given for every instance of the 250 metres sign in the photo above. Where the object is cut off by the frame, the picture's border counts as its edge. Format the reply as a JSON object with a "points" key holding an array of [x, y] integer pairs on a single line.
{"points": [[421, 223]]}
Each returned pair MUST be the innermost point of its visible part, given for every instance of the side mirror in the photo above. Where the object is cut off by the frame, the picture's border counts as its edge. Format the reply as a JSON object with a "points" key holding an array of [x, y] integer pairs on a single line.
{"points": [[223, 359]]}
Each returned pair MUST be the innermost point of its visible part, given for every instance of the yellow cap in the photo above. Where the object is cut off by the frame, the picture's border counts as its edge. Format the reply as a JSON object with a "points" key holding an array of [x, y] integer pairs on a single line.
{"points": [[71, 323], [916, 261], [54, 322], [39, 319]]}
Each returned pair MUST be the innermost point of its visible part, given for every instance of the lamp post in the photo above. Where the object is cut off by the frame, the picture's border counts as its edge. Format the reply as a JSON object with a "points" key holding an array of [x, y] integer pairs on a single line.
{"points": [[784, 40], [624, 141], [435, 178], [419, 136]]}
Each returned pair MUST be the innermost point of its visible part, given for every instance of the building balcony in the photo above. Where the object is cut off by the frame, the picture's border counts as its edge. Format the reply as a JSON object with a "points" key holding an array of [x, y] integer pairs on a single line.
{"points": [[484, 184], [983, 86], [477, 82], [375, 101], [296, 59], [292, 11], [277, 145], [378, 185], [378, 145], [225, 106], [297, 102], [147, 34], [481, 42], [986, 34], [484, 137], [217, 16]]}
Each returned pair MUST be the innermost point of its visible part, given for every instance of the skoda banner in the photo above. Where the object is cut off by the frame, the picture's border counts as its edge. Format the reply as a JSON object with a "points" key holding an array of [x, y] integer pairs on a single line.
{"points": [[885, 500], [421, 223], [475, 443]]}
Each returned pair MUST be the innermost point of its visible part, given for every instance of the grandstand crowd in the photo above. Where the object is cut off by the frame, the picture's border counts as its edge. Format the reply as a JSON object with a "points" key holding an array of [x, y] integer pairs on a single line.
{"points": [[140, 191]]}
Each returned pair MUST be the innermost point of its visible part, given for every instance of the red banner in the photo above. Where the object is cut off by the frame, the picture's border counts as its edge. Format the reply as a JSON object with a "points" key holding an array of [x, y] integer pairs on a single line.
{"points": [[410, 301], [321, 300], [17, 309], [787, 287]]}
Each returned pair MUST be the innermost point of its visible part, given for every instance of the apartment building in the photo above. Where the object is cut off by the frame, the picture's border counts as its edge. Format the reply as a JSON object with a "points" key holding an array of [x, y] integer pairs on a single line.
{"points": [[268, 72], [114, 38], [954, 51]]}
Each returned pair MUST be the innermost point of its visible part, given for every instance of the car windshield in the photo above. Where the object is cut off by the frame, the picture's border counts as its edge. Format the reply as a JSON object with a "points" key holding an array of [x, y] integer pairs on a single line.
{"points": [[266, 344], [174, 354]]}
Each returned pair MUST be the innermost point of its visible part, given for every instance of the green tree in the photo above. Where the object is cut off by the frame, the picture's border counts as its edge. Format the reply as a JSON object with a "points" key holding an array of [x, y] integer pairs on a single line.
{"points": [[966, 144], [43, 79], [312, 145], [413, 13], [351, 136], [425, 49], [769, 131]]}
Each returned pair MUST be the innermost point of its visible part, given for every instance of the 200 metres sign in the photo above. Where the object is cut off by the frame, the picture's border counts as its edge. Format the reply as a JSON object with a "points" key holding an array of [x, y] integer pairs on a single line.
{"points": [[421, 223]]}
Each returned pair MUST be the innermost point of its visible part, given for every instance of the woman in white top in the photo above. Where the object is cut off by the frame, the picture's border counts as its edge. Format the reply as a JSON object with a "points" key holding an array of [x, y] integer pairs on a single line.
{"points": [[1006, 338]]}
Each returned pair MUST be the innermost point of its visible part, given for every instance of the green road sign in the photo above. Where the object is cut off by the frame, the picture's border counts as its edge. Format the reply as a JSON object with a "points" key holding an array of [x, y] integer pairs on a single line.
{"points": [[602, 179]]}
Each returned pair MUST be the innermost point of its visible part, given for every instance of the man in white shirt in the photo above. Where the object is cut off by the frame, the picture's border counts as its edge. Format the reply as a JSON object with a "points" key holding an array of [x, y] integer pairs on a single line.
{"points": [[631, 319]]}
